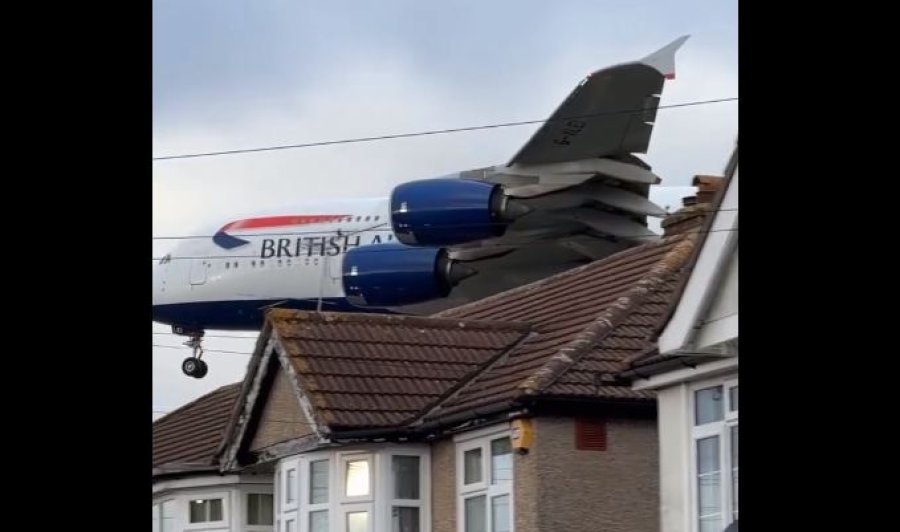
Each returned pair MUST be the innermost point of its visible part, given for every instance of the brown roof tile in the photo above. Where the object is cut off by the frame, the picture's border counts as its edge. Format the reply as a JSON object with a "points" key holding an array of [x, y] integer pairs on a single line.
{"points": [[188, 437], [589, 321], [564, 337], [370, 371]]}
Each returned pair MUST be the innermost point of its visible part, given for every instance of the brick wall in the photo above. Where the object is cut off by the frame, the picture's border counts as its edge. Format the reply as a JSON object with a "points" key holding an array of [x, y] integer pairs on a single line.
{"points": [[282, 419]]}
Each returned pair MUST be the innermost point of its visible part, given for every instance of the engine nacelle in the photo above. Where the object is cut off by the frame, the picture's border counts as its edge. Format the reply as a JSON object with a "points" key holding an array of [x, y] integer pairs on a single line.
{"points": [[447, 211], [390, 275]]}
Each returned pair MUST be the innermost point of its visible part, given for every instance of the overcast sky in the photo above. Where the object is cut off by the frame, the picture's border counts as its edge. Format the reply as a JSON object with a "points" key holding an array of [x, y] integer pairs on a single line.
{"points": [[239, 74]]}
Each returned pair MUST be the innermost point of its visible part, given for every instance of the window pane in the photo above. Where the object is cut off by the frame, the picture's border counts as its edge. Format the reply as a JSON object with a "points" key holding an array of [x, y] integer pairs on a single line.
{"points": [[708, 455], [357, 478], [711, 524], [733, 399], [709, 502], [203, 510], [318, 521], [215, 510], [475, 514], [357, 521], [404, 519], [259, 509], [318, 482], [500, 513], [290, 482], [734, 471], [406, 477], [472, 459], [501, 460], [708, 405], [168, 516]]}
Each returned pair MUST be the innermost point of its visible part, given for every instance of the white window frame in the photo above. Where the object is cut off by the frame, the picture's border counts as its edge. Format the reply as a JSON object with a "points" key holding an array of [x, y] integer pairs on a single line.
{"points": [[284, 467], [378, 503], [157, 517], [306, 507], [186, 508], [386, 474], [722, 429], [354, 507], [245, 505], [343, 459], [162, 513], [482, 439]]}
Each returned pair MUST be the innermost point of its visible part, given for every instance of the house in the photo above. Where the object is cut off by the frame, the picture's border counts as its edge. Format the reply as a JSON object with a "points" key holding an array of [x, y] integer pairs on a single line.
{"points": [[189, 490], [694, 373], [504, 414]]}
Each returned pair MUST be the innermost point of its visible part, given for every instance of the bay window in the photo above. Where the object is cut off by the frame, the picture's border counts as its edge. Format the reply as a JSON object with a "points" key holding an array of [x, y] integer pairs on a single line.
{"points": [[715, 455], [383, 488]]}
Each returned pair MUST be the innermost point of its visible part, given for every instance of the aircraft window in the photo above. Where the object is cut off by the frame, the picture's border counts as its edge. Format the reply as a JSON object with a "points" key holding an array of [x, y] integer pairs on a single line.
{"points": [[289, 262], [377, 217], [279, 263], [358, 218], [390, 237], [253, 263], [227, 265], [166, 259], [235, 265], [262, 263], [367, 218]]}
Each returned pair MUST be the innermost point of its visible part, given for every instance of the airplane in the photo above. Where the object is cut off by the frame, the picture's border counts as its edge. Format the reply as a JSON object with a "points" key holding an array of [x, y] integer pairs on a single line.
{"points": [[575, 192]]}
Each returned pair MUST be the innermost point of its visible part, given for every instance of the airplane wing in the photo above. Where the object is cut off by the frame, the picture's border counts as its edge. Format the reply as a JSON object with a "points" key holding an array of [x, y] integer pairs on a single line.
{"points": [[611, 112], [586, 191]]}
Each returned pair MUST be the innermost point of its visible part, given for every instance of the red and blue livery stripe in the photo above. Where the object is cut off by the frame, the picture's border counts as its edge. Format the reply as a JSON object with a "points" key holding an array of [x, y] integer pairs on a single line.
{"points": [[223, 239]]}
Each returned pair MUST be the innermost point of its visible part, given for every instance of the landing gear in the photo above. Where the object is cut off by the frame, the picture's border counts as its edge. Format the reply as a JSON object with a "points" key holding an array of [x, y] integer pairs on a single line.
{"points": [[193, 366]]}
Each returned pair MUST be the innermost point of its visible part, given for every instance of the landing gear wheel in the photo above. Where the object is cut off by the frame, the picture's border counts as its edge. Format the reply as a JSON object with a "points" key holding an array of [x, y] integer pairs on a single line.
{"points": [[194, 367]]}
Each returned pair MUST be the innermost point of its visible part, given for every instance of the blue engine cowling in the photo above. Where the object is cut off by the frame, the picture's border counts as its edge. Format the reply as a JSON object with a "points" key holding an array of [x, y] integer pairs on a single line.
{"points": [[390, 275], [447, 211]]}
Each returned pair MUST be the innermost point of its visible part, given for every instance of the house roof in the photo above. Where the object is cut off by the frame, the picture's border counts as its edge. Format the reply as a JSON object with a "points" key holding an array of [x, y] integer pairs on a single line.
{"points": [[186, 439], [565, 337], [652, 360], [588, 321], [369, 370]]}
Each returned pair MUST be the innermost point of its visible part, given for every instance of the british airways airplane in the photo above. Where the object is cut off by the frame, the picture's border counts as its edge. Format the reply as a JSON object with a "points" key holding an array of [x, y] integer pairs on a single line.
{"points": [[574, 193]]}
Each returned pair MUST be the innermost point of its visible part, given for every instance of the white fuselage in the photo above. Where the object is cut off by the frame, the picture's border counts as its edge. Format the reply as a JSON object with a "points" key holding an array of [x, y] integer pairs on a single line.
{"points": [[224, 278]]}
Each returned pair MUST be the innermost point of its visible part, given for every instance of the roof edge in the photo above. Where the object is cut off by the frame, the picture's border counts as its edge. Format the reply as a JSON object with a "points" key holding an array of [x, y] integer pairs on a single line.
{"points": [[433, 321], [609, 319], [704, 230]]}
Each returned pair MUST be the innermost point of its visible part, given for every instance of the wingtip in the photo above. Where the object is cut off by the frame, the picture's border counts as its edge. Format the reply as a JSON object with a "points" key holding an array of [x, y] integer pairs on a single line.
{"points": [[663, 59]]}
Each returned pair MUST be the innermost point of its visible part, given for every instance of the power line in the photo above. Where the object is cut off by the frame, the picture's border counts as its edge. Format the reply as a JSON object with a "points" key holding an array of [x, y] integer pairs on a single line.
{"points": [[432, 132], [224, 351], [382, 227], [233, 336], [407, 249]]}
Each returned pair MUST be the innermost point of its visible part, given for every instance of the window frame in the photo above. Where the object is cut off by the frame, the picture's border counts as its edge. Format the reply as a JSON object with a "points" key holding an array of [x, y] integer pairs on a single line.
{"points": [[343, 459], [329, 505], [721, 429], [378, 503], [386, 474], [245, 501], [483, 439], [206, 495]]}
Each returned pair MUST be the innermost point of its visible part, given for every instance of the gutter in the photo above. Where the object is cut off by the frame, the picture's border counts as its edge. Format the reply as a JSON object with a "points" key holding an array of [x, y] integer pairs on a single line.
{"points": [[675, 362]]}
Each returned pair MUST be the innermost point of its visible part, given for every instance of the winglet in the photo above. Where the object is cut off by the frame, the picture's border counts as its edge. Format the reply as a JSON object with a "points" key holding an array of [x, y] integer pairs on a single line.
{"points": [[663, 59]]}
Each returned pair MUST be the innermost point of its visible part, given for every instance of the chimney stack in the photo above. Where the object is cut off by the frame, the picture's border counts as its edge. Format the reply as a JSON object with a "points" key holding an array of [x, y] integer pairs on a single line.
{"points": [[695, 208]]}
